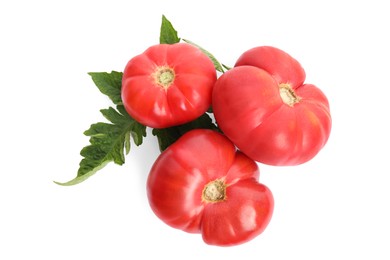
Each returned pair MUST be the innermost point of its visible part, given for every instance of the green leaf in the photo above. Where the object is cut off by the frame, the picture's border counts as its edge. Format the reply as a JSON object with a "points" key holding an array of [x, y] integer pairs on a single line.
{"points": [[108, 143], [167, 136], [216, 63], [109, 84], [226, 67], [168, 34]]}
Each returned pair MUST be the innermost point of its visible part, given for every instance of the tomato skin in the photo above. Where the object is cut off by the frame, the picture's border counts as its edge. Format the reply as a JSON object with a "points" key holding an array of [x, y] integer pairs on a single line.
{"points": [[179, 96], [282, 67], [178, 178], [249, 109]]}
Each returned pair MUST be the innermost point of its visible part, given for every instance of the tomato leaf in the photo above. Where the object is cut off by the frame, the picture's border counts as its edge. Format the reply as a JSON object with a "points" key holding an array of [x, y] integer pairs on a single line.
{"points": [[168, 34], [167, 136], [226, 67], [216, 63], [108, 142], [109, 84]]}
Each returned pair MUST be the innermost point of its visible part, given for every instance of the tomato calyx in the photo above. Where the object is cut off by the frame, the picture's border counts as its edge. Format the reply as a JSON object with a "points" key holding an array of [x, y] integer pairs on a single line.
{"points": [[288, 94], [214, 191], [164, 76]]}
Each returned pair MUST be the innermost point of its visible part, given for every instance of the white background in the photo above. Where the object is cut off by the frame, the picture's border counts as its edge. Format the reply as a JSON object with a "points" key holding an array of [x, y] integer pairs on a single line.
{"points": [[334, 207]]}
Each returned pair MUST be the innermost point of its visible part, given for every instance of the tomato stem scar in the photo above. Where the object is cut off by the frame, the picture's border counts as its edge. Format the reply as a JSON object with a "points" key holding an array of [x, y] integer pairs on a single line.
{"points": [[214, 191], [288, 95], [164, 76]]}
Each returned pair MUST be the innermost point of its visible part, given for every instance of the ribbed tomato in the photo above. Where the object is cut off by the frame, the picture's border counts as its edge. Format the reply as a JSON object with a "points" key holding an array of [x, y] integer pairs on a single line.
{"points": [[168, 85], [202, 184], [264, 107]]}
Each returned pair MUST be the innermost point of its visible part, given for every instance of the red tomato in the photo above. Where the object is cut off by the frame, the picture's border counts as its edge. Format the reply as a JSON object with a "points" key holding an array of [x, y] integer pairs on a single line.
{"points": [[168, 85], [267, 110], [202, 184]]}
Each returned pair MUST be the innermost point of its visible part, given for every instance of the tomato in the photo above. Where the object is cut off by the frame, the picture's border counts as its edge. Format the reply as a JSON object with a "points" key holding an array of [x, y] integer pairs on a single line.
{"points": [[266, 109], [168, 85], [203, 184]]}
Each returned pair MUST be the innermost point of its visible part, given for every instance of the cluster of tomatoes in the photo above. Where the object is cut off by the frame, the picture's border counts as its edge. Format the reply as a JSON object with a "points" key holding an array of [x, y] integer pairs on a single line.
{"points": [[207, 181]]}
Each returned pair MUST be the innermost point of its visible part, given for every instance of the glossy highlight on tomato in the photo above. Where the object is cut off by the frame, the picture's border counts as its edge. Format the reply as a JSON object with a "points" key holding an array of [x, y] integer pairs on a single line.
{"points": [[168, 85], [203, 184], [266, 109]]}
